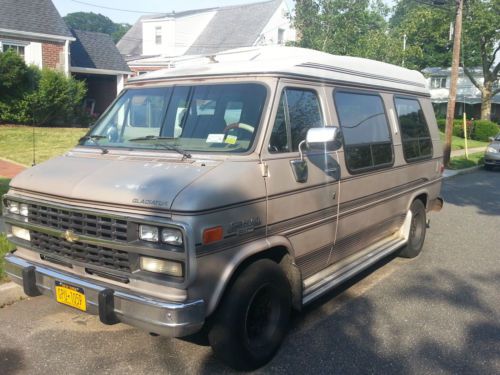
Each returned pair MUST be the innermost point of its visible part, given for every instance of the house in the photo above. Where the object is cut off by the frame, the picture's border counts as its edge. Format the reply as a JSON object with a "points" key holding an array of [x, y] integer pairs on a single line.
{"points": [[168, 40], [468, 96], [36, 31]]}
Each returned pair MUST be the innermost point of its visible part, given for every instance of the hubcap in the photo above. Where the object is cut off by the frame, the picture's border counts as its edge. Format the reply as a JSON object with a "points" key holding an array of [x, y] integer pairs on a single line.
{"points": [[262, 317]]}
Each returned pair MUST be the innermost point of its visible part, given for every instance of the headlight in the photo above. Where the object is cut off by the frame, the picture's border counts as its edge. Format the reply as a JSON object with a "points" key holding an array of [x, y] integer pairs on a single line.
{"points": [[21, 233], [171, 236], [13, 207], [23, 209], [167, 267], [491, 150], [148, 233], [17, 208]]}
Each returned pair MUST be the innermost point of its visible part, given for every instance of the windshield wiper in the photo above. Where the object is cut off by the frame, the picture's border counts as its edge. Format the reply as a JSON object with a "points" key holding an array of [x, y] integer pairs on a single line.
{"points": [[166, 146], [95, 140]]}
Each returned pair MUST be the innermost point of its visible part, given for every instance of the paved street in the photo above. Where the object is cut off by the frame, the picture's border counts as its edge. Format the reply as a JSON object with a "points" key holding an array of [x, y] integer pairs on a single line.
{"points": [[437, 314]]}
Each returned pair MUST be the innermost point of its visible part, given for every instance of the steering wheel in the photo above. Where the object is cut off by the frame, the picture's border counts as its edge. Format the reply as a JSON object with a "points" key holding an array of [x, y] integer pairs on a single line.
{"points": [[239, 125]]}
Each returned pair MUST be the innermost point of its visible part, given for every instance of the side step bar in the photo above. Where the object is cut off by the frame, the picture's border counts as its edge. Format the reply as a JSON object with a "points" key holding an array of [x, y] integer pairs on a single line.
{"points": [[334, 275]]}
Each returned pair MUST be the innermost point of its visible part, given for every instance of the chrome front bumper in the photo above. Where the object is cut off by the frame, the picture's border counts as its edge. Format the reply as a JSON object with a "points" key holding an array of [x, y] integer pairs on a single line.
{"points": [[111, 304]]}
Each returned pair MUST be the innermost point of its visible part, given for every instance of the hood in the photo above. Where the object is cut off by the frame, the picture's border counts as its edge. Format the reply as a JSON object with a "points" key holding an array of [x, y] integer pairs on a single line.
{"points": [[131, 181]]}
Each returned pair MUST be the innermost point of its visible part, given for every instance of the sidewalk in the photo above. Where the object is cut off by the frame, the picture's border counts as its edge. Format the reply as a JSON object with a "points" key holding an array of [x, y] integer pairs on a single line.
{"points": [[462, 152], [9, 169]]}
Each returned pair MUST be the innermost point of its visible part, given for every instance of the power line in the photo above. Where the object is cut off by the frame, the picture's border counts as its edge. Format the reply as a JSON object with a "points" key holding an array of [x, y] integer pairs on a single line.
{"points": [[110, 8]]}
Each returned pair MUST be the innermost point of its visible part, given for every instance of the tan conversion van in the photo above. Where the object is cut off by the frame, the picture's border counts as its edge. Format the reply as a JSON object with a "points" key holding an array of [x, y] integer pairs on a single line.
{"points": [[222, 196]]}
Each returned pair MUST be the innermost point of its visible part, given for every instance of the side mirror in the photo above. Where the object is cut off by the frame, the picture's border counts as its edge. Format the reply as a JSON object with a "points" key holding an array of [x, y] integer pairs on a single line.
{"points": [[322, 135]]}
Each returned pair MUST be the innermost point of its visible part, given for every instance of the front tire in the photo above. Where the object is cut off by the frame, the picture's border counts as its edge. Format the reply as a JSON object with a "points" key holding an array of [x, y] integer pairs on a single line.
{"points": [[488, 167], [253, 317], [418, 228]]}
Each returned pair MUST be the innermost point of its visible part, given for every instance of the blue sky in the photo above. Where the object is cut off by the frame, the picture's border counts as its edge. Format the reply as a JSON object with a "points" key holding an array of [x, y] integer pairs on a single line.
{"points": [[153, 6]]}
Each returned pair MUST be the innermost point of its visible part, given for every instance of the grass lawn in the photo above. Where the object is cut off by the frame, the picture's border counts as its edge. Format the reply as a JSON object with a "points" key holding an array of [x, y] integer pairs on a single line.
{"points": [[460, 162], [5, 247], [16, 142], [458, 143]]}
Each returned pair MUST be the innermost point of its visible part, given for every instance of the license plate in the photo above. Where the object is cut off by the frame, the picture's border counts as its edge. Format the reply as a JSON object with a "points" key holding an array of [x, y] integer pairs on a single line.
{"points": [[71, 295]]}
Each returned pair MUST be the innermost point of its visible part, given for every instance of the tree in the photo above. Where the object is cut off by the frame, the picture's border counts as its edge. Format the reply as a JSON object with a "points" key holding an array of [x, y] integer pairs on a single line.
{"points": [[427, 30], [89, 21], [481, 45], [345, 27]]}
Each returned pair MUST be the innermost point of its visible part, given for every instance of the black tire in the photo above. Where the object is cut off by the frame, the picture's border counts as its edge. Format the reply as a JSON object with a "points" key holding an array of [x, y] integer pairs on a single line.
{"points": [[252, 320], [418, 228], [488, 167]]}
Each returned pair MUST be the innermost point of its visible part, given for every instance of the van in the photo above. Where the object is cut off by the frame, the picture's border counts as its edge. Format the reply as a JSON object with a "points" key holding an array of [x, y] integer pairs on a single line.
{"points": [[219, 197]]}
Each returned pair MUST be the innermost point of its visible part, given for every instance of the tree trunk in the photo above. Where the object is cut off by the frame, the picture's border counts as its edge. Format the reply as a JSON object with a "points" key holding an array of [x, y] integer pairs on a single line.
{"points": [[486, 104]]}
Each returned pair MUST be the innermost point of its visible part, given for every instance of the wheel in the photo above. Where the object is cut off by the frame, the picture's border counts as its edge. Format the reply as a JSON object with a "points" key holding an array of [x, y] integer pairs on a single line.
{"points": [[253, 317], [418, 227], [488, 167]]}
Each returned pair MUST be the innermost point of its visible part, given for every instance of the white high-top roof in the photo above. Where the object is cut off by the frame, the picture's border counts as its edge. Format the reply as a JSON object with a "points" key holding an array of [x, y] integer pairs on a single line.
{"points": [[295, 61]]}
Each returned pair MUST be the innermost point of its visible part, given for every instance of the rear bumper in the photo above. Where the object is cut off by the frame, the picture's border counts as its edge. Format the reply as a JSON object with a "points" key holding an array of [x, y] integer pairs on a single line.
{"points": [[112, 305]]}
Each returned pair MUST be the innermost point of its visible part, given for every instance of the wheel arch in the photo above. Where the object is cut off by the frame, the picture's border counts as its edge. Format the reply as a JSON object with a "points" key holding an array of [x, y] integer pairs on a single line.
{"points": [[277, 249]]}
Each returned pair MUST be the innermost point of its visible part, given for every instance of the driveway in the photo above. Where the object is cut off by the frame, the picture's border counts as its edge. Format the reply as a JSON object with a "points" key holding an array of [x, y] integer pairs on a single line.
{"points": [[437, 314]]}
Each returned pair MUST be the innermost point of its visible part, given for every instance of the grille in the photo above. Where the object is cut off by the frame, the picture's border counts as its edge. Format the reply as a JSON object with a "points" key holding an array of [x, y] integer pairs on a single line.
{"points": [[80, 252], [80, 223]]}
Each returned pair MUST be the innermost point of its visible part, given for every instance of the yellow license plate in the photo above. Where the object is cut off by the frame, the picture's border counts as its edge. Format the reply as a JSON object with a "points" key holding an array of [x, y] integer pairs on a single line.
{"points": [[71, 295]]}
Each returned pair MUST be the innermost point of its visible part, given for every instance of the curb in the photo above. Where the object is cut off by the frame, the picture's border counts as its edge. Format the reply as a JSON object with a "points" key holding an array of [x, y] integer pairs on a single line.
{"points": [[452, 172], [10, 293]]}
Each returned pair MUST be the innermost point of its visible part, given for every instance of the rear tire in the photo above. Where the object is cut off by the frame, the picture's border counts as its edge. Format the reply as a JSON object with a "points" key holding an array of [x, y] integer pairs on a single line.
{"points": [[418, 228], [253, 317]]}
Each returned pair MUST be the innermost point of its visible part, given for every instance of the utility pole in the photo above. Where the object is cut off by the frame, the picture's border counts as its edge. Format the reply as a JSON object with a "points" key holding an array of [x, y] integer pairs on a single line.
{"points": [[450, 115]]}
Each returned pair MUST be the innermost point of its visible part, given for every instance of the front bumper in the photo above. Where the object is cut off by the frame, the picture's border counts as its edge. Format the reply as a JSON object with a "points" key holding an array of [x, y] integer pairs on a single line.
{"points": [[492, 158], [111, 304]]}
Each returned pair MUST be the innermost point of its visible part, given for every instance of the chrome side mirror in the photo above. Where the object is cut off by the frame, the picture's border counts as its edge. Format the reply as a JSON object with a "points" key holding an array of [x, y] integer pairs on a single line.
{"points": [[322, 135]]}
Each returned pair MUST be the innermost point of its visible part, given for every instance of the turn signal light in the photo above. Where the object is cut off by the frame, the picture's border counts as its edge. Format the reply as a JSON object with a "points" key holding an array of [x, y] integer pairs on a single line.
{"points": [[212, 235]]}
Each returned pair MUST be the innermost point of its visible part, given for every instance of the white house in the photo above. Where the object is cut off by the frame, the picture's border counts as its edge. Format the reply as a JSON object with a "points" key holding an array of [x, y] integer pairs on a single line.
{"points": [[468, 96], [166, 40]]}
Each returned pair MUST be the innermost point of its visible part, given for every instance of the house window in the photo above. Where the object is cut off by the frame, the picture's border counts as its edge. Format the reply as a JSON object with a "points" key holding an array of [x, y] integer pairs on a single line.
{"points": [[158, 35], [281, 36], [367, 141], [438, 82], [19, 49]]}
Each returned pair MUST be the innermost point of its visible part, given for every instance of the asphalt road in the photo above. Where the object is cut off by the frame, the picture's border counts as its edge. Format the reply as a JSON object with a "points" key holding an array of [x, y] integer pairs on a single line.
{"points": [[437, 314]]}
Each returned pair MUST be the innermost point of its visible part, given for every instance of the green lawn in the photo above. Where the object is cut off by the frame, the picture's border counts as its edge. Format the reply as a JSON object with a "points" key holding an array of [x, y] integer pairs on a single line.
{"points": [[458, 143], [460, 162], [16, 142], [5, 247]]}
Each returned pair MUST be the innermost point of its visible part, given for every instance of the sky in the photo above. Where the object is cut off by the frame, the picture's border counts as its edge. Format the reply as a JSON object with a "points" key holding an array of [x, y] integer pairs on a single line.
{"points": [[134, 9]]}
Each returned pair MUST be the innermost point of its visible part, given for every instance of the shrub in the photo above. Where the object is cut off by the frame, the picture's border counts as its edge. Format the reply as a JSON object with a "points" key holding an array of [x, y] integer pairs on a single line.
{"points": [[458, 127], [56, 100], [484, 129]]}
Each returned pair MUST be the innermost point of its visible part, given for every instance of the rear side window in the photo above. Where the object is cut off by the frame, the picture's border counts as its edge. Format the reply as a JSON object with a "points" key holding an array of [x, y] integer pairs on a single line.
{"points": [[417, 143], [298, 111], [367, 141]]}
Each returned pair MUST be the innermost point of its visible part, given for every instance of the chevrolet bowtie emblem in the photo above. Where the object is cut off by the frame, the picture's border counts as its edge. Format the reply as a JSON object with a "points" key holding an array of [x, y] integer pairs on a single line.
{"points": [[70, 236]]}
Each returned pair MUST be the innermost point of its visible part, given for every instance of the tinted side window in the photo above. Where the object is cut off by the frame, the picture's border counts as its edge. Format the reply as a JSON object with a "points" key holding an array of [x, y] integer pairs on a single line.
{"points": [[298, 111], [367, 141], [417, 143]]}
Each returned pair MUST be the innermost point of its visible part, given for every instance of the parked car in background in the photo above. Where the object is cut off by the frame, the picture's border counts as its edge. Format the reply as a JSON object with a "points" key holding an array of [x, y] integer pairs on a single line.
{"points": [[492, 153]]}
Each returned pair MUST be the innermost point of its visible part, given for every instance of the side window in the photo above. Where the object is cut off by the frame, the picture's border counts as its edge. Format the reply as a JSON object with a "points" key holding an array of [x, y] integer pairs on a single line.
{"points": [[417, 143], [298, 111], [367, 141]]}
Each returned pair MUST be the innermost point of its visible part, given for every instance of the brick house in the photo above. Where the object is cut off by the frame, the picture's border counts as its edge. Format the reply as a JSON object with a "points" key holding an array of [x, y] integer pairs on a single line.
{"points": [[35, 30]]}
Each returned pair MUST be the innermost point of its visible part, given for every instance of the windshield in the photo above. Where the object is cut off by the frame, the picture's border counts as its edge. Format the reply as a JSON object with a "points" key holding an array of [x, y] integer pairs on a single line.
{"points": [[214, 118]]}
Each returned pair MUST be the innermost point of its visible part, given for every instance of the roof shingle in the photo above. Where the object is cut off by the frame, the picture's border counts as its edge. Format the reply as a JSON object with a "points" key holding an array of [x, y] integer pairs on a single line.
{"points": [[96, 51], [35, 16]]}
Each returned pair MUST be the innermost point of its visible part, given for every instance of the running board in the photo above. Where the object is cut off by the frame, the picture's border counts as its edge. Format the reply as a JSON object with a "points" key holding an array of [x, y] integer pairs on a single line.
{"points": [[334, 275]]}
